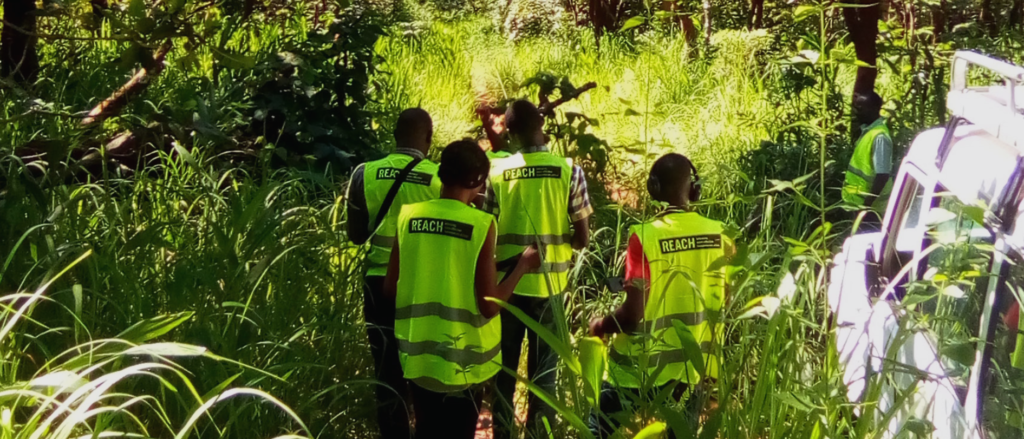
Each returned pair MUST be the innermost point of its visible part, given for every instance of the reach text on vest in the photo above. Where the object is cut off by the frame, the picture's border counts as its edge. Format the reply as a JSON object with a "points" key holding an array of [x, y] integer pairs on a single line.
{"points": [[533, 172], [421, 178], [686, 243], [443, 227]]}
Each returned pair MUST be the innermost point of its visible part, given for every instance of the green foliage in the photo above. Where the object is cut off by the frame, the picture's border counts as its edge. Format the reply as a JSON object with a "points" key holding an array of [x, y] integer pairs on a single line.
{"points": [[313, 99], [239, 272]]}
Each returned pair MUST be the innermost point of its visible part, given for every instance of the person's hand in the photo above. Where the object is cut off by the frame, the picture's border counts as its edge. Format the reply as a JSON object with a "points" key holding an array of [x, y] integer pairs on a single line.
{"points": [[597, 327], [531, 258]]}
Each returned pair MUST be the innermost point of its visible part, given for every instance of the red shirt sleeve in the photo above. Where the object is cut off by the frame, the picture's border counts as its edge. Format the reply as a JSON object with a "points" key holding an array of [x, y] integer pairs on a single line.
{"points": [[637, 266]]}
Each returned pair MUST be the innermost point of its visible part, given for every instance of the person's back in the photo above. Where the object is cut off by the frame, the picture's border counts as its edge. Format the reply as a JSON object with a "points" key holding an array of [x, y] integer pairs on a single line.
{"points": [[539, 198], [440, 243], [679, 246], [441, 275], [367, 195], [421, 184], [672, 290], [532, 189]]}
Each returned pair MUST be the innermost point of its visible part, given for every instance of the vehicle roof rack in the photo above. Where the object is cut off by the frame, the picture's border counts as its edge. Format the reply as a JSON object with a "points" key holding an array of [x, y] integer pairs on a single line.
{"points": [[997, 109]]}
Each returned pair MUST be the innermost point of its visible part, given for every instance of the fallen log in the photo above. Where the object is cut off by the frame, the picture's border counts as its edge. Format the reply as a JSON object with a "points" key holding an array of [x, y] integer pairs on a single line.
{"points": [[137, 84]]}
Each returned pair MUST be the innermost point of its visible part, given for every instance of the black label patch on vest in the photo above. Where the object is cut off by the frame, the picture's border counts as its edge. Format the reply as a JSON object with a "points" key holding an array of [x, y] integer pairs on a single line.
{"points": [[444, 227], [526, 172], [415, 177], [687, 243]]}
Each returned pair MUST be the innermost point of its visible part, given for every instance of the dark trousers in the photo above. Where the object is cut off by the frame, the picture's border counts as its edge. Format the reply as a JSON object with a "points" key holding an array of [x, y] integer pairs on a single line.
{"points": [[446, 415], [392, 389], [541, 366], [614, 406]]}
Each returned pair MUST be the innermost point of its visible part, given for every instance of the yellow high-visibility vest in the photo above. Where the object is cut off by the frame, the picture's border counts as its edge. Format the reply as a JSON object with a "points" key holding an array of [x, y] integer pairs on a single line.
{"points": [[444, 343], [680, 247], [861, 172], [422, 184], [532, 192]]}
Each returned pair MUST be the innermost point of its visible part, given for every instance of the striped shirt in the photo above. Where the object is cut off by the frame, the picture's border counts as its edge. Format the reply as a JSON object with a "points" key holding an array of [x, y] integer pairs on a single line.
{"points": [[579, 198]]}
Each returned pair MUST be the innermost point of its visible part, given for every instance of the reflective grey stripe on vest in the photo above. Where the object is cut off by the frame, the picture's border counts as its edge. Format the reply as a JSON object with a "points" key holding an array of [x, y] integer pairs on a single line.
{"points": [[687, 318], [462, 357], [439, 310], [383, 241], [554, 267], [548, 267], [657, 358], [517, 239], [860, 173]]}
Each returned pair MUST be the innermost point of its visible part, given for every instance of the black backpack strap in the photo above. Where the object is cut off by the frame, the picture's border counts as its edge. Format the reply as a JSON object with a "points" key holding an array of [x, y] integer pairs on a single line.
{"points": [[393, 192]]}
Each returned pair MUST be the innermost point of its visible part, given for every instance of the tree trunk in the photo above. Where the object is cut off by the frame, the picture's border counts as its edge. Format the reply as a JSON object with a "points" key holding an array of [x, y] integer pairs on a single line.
{"points": [[603, 16], [938, 22], [707, 23], [757, 14], [986, 18], [18, 58], [1017, 14], [862, 23]]}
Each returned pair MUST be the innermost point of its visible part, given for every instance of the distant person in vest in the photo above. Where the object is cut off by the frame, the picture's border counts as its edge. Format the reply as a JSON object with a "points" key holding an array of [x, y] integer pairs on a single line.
{"points": [[441, 272], [369, 220], [670, 287], [536, 196], [867, 178]]}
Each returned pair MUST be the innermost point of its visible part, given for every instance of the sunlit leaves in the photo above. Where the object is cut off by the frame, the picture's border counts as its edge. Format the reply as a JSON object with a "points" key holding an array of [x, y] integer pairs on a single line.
{"points": [[633, 22]]}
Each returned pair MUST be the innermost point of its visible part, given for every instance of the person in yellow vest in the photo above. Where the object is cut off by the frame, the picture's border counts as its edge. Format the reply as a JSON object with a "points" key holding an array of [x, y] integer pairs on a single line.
{"points": [[369, 220], [868, 180], [538, 198], [670, 287], [441, 272]]}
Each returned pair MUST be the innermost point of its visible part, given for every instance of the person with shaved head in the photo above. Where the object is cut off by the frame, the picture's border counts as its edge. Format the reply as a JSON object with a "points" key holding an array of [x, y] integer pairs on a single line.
{"points": [[539, 198], [675, 286], [376, 194]]}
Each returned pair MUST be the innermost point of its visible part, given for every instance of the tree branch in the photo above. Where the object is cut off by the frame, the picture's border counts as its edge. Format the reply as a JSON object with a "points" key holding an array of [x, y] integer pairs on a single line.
{"points": [[547, 109], [136, 85]]}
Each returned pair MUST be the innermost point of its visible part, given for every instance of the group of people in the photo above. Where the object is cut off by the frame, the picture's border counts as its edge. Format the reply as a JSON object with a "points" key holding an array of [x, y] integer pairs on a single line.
{"points": [[450, 242]]}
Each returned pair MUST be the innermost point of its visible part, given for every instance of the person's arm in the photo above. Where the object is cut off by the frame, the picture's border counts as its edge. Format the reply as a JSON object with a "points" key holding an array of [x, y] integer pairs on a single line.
{"points": [[391, 278], [627, 317], [881, 157], [486, 275], [358, 223], [581, 234], [877, 185], [579, 209]]}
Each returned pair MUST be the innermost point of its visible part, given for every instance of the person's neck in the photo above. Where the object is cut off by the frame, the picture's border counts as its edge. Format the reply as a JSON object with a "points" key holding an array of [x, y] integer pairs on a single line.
{"points": [[458, 193], [677, 206], [411, 148]]}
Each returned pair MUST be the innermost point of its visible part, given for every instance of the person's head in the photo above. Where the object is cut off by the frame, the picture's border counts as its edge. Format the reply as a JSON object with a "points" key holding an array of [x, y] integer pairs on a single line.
{"points": [[672, 180], [867, 107], [414, 130], [463, 170], [524, 123]]}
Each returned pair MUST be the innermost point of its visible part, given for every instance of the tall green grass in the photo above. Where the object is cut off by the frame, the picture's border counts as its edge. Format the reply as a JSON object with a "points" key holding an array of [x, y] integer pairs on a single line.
{"points": [[253, 265]]}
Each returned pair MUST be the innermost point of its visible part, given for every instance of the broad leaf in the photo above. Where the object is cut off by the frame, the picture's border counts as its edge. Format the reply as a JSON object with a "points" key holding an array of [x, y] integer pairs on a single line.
{"points": [[653, 431], [167, 350], [690, 346], [149, 329], [593, 358], [633, 22]]}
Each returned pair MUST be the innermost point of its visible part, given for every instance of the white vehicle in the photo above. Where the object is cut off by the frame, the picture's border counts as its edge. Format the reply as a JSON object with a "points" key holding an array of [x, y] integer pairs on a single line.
{"points": [[956, 201]]}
